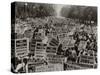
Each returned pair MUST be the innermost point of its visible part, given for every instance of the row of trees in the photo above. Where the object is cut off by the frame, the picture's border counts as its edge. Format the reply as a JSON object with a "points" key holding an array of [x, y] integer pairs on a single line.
{"points": [[41, 10], [33, 10], [80, 12]]}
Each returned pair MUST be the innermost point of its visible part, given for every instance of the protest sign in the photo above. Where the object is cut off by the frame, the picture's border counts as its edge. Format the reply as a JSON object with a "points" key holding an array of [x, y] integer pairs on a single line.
{"points": [[82, 45], [21, 47], [55, 59], [40, 50], [72, 66], [51, 50], [87, 61], [49, 67], [68, 42]]}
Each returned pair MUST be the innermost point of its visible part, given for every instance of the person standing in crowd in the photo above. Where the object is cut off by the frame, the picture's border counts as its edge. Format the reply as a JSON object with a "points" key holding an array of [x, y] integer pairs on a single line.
{"points": [[22, 66]]}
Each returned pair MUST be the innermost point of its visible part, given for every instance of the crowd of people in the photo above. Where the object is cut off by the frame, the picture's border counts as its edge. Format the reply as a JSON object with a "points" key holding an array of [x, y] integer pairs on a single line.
{"points": [[82, 32]]}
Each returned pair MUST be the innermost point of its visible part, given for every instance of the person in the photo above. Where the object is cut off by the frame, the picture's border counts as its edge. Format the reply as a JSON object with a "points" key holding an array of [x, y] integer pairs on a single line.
{"points": [[85, 52], [21, 67], [60, 50], [74, 55], [14, 64]]}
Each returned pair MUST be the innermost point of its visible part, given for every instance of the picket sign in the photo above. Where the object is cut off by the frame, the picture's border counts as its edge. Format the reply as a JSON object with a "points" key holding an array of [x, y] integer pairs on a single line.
{"points": [[49, 67], [55, 59], [68, 42], [82, 45], [21, 47], [87, 61], [40, 50]]}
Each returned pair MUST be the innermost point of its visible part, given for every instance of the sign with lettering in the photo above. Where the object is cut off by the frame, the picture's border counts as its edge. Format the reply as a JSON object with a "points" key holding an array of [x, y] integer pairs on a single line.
{"points": [[68, 42], [55, 59], [40, 50], [82, 45], [21, 47], [72, 66], [51, 49], [49, 67], [54, 42], [87, 61]]}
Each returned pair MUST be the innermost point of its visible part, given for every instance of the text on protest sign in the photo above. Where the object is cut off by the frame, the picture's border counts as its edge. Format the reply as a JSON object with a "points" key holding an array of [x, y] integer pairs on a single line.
{"points": [[21, 47], [55, 59], [40, 50], [50, 67], [87, 61]]}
